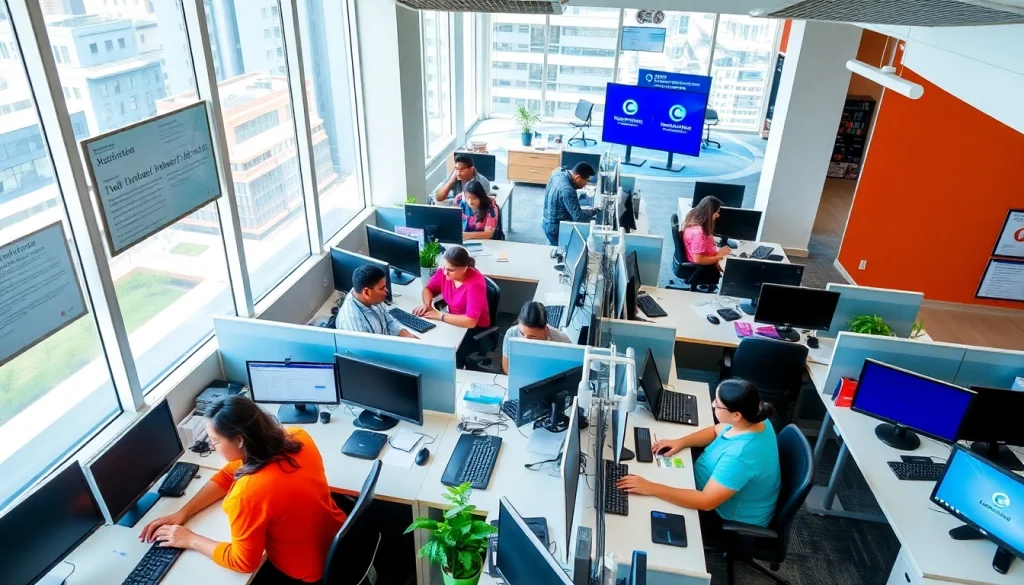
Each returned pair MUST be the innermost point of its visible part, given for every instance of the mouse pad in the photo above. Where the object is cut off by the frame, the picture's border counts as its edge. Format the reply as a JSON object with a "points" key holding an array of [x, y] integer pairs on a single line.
{"points": [[668, 529]]}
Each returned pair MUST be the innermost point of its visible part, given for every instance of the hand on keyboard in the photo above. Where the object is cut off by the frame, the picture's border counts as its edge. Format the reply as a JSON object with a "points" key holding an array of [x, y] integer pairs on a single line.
{"points": [[634, 484], [174, 536], [149, 531]]}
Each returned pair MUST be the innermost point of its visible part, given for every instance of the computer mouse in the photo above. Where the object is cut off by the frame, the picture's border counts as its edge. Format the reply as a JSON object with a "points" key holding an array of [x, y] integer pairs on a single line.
{"points": [[714, 320], [422, 456], [663, 451], [812, 342], [494, 187], [744, 255]]}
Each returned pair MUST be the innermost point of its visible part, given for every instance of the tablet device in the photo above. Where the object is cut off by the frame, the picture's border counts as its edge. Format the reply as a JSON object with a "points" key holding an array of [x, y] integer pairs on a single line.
{"points": [[668, 529]]}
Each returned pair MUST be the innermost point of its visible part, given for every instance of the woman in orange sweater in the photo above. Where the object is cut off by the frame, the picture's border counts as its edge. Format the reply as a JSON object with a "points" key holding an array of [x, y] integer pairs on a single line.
{"points": [[275, 494]]}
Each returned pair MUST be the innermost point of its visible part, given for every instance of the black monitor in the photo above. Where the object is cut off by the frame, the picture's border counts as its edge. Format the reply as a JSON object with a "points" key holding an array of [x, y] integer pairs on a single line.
{"points": [[729, 194], [400, 252], [743, 278], [650, 382], [738, 224], [134, 462], [619, 419], [577, 290], [484, 163], [438, 222], [624, 211], [910, 404], [385, 394], [570, 473], [46, 526], [638, 570], [546, 399], [993, 423], [570, 158], [297, 386], [787, 307], [522, 559], [344, 263]]}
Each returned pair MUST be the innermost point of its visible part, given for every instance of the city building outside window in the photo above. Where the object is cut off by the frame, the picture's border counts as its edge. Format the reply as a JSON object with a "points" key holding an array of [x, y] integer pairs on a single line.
{"points": [[439, 104], [744, 52]]}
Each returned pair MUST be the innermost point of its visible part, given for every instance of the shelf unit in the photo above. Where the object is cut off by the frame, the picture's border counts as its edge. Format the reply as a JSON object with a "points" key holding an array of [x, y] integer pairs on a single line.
{"points": [[851, 138]]}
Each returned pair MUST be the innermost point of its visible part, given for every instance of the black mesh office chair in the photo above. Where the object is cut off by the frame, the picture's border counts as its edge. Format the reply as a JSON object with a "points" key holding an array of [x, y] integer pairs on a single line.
{"points": [[584, 113], [776, 368], [748, 543], [710, 119], [354, 549], [488, 339], [681, 267]]}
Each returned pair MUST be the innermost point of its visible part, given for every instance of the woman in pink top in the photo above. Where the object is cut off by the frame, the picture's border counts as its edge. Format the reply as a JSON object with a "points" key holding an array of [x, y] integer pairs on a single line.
{"points": [[464, 289], [699, 241]]}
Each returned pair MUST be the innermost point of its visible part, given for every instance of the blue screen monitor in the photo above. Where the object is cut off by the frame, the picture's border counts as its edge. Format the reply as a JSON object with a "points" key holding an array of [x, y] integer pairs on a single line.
{"points": [[989, 499], [910, 404], [655, 118]]}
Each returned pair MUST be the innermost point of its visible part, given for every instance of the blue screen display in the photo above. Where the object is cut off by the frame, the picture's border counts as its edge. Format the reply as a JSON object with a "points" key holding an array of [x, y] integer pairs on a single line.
{"points": [[659, 119], [919, 403], [677, 81], [979, 493]]}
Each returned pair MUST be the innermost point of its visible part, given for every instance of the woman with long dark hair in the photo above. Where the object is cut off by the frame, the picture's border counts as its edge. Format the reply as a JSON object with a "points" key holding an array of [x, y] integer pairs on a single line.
{"points": [[479, 212], [464, 289], [698, 237], [275, 494], [737, 475]]}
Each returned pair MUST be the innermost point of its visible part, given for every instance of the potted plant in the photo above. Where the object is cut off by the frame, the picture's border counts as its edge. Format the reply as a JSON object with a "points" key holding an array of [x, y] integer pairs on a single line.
{"points": [[411, 199], [458, 543], [526, 119], [428, 258], [871, 325]]}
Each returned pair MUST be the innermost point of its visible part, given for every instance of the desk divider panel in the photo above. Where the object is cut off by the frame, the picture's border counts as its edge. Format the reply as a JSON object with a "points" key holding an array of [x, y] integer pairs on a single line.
{"points": [[531, 360], [565, 229], [994, 368], [648, 256], [434, 363], [641, 336], [241, 339], [897, 307], [937, 360]]}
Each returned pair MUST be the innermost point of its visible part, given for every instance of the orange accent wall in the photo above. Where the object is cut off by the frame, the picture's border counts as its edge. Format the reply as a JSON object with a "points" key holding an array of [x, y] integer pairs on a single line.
{"points": [[874, 50], [784, 41], [937, 182]]}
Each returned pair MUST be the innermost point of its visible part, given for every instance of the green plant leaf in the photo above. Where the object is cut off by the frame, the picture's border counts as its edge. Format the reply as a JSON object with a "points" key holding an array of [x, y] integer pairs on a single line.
{"points": [[422, 523]]}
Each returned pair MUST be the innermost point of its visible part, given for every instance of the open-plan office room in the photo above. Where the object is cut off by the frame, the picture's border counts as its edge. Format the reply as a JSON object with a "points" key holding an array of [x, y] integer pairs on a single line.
{"points": [[391, 291]]}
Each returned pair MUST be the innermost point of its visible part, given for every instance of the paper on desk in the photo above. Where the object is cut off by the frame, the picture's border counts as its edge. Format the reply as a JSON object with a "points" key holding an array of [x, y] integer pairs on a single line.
{"points": [[552, 299], [544, 442], [405, 439], [670, 462], [399, 458]]}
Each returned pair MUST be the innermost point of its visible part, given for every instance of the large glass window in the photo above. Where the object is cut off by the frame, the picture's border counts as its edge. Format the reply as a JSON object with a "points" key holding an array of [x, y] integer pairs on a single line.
{"points": [[741, 68], [581, 59], [470, 51], [170, 285], [331, 122], [687, 45], [517, 62], [437, 79]]}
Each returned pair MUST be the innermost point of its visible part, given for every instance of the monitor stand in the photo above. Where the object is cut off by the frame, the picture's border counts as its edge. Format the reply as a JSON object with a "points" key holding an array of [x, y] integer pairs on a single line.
{"points": [[897, 437], [749, 307], [299, 413], [401, 278], [139, 509], [59, 575], [556, 421], [999, 454], [626, 455], [669, 166], [633, 162], [787, 333], [375, 422], [1003, 558]]}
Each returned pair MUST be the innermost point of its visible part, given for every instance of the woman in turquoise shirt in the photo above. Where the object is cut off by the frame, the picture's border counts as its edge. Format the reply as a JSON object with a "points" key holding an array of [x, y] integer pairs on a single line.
{"points": [[737, 475]]}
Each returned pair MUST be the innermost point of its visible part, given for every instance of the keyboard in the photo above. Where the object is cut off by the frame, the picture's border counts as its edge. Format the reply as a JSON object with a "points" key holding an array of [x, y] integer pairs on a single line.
{"points": [[642, 444], [153, 566], [917, 471], [677, 407], [762, 252], [647, 304], [728, 314], [554, 314], [616, 501], [411, 321], [178, 479], [510, 408], [472, 461]]}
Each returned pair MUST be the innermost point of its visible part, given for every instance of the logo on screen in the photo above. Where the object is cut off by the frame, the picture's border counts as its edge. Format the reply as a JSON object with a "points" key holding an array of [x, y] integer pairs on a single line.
{"points": [[1019, 235], [677, 113], [650, 77], [630, 107], [1001, 500]]}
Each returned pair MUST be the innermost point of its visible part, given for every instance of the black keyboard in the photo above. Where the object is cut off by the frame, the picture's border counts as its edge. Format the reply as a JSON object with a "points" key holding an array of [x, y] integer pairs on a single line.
{"points": [[511, 408], [411, 321], [677, 407], [554, 314], [917, 471], [616, 501], [728, 314], [762, 252], [178, 479], [153, 566], [642, 444], [649, 307], [472, 461]]}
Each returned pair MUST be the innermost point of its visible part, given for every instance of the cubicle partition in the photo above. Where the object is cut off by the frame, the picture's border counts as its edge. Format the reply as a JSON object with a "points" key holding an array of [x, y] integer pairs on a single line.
{"points": [[648, 249], [897, 307], [994, 368], [661, 340], [937, 360], [530, 361], [388, 218]]}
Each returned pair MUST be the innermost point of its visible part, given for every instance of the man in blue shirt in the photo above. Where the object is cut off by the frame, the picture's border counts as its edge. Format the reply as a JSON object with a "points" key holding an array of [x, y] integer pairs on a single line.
{"points": [[561, 202], [363, 309]]}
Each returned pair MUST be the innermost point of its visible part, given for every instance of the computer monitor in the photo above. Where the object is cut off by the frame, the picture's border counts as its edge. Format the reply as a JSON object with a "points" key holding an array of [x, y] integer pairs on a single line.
{"points": [[134, 462], [547, 399], [624, 211], [400, 252], [743, 278], [577, 290], [622, 290], [484, 163], [297, 386], [438, 222], [570, 158], [386, 395], [638, 569], [910, 404], [570, 474], [344, 263], [521, 558], [738, 224], [619, 419], [729, 194], [987, 499], [573, 249], [650, 381], [46, 526], [993, 423], [787, 307]]}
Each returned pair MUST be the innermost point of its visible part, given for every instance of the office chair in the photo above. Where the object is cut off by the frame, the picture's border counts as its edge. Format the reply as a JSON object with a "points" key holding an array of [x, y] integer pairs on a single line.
{"points": [[710, 119], [488, 339], [748, 543], [692, 274], [354, 549], [584, 113], [776, 368]]}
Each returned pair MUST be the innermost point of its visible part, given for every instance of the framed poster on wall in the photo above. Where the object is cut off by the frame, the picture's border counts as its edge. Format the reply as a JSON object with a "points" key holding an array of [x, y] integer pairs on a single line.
{"points": [[1011, 237], [1003, 280]]}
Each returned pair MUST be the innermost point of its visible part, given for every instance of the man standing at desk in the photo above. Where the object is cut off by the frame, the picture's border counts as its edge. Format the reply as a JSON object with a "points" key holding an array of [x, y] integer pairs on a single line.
{"points": [[456, 182], [363, 309], [561, 203]]}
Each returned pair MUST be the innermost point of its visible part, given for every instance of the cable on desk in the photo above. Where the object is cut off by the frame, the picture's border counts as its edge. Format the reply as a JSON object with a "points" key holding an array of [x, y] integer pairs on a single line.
{"points": [[479, 427], [73, 567], [494, 382], [431, 442], [538, 465]]}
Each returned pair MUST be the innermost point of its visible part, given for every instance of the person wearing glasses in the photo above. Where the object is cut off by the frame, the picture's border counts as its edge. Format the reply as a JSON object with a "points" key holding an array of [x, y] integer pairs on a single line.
{"points": [[464, 289], [737, 476]]}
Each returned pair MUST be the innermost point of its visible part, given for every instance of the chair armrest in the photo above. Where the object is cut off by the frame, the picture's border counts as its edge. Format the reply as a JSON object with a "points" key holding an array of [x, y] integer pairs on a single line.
{"points": [[742, 529], [487, 340], [490, 331]]}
